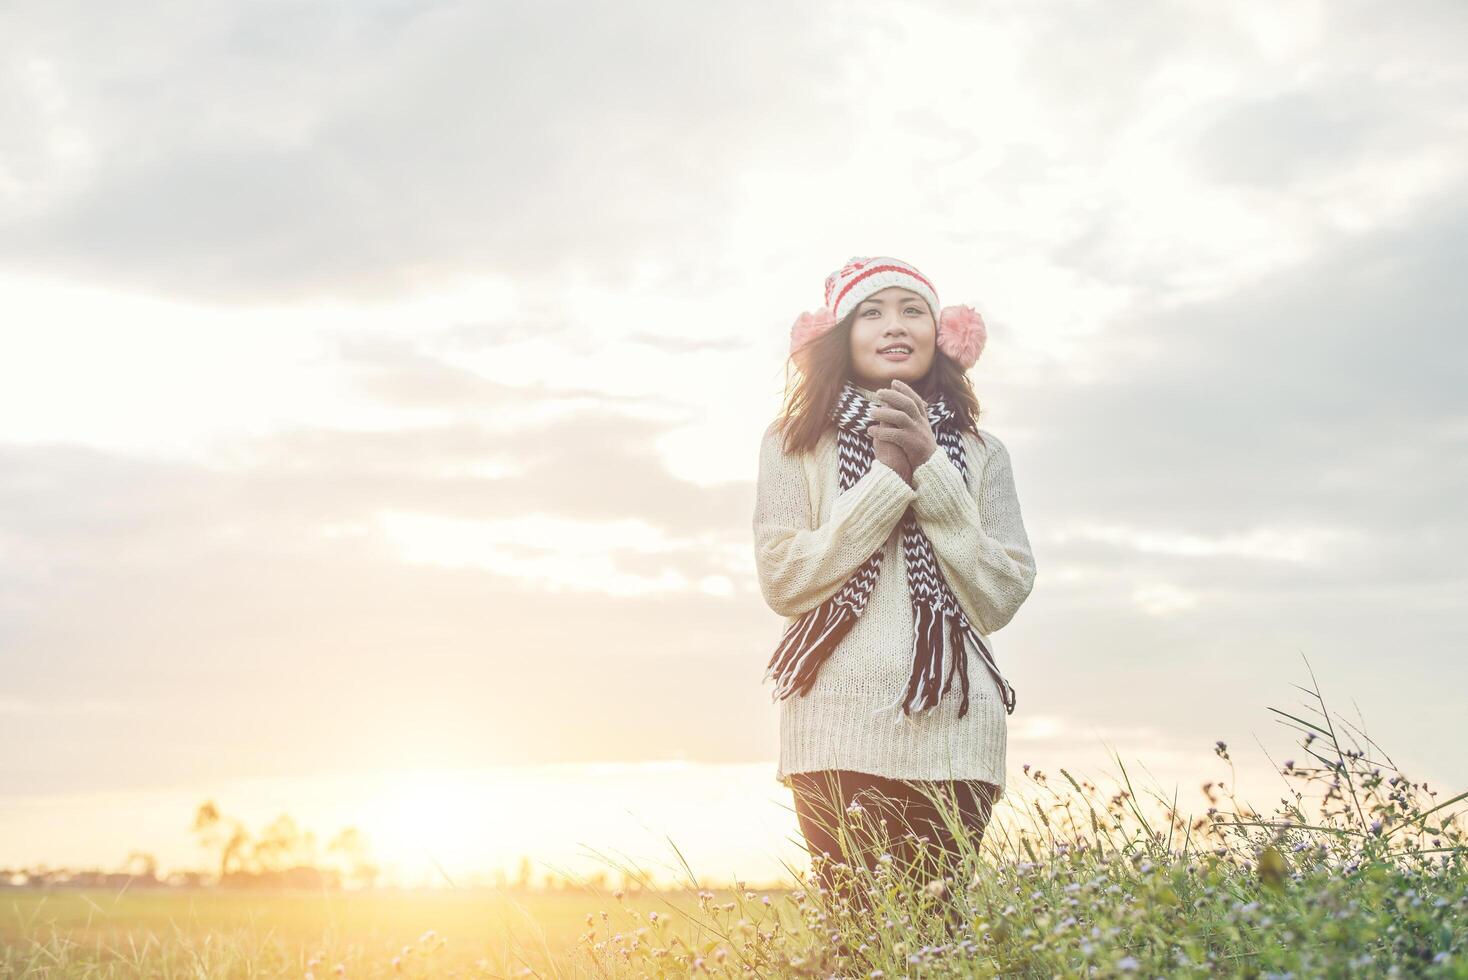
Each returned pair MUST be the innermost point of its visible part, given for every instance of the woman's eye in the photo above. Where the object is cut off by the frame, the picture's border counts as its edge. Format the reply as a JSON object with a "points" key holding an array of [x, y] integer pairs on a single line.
{"points": [[913, 309]]}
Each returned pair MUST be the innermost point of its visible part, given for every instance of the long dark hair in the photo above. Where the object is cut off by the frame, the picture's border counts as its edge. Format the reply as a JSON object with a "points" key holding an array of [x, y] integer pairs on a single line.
{"points": [[821, 368]]}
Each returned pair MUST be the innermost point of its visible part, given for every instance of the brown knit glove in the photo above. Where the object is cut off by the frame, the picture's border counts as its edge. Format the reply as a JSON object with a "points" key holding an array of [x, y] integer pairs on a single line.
{"points": [[890, 453], [902, 421]]}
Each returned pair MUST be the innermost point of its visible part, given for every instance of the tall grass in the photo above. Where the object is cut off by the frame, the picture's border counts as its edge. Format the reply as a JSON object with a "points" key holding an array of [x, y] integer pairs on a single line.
{"points": [[1358, 871]]}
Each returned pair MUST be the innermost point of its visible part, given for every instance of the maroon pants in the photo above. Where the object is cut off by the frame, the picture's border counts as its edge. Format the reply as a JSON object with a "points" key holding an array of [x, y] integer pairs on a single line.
{"points": [[821, 801]]}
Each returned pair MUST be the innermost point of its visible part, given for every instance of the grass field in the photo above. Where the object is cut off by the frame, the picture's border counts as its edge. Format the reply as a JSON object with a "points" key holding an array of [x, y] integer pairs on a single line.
{"points": [[1360, 871], [208, 933]]}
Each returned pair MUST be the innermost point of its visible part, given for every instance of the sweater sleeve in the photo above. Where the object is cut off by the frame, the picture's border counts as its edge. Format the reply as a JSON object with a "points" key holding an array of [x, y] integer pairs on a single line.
{"points": [[978, 537], [801, 565]]}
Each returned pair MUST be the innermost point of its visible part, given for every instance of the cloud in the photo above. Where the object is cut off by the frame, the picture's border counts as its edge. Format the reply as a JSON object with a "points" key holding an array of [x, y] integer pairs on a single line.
{"points": [[251, 606], [41, 709], [241, 154], [1291, 545], [405, 373], [1222, 247], [1331, 388]]}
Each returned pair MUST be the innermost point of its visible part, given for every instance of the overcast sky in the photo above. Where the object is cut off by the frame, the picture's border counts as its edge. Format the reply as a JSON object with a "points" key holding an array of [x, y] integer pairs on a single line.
{"points": [[382, 383]]}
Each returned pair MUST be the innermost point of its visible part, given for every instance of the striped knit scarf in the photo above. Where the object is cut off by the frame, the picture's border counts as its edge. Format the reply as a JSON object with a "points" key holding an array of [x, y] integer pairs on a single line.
{"points": [[815, 635]]}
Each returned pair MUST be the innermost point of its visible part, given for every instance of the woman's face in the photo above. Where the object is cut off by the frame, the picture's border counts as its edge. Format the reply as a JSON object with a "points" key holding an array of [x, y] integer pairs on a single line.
{"points": [[892, 317]]}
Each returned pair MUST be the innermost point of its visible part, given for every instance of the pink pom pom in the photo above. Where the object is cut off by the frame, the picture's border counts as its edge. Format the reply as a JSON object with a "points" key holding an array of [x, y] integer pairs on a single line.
{"points": [[809, 326], [961, 334]]}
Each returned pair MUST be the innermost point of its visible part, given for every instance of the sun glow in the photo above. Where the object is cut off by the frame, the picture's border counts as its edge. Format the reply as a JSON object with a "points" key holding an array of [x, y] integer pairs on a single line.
{"points": [[421, 821], [476, 826]]}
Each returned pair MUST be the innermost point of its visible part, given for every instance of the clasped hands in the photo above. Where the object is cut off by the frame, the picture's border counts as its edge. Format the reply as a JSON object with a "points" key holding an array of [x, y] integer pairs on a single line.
{"points": [[900, 433]]}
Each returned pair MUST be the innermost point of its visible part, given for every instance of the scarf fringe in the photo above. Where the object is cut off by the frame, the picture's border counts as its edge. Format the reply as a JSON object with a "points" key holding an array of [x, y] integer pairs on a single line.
{"points": [[959, 662], [799, 657], [927, 661], [960, 630], [1006, 689]]}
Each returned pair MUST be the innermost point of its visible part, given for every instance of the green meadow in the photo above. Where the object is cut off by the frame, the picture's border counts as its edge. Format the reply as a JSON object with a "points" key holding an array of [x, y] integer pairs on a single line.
{"points": [[1358, 871], [201, 932]]}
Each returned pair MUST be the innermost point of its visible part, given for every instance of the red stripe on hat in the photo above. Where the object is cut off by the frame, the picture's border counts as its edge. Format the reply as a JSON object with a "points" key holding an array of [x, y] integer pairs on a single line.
{"points": [[872, 270]]}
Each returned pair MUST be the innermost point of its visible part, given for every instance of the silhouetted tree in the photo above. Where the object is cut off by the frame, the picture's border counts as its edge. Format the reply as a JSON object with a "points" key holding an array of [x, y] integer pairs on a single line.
{"points": [[141, 864]]}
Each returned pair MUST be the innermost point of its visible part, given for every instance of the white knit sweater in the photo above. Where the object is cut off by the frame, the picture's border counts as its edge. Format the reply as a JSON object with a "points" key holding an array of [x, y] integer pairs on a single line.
{"points": [[809, 539]]}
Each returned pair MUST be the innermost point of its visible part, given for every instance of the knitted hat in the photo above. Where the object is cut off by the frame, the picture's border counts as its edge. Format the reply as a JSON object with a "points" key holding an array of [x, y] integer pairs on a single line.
{"points": [[961, 331]]}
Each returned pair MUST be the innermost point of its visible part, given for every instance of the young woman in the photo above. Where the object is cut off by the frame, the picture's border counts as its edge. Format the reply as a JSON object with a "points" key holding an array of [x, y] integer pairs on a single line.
{"points": [[888, 533]]}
